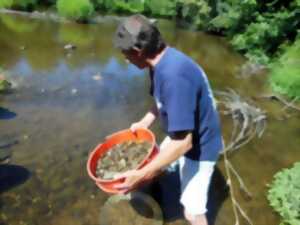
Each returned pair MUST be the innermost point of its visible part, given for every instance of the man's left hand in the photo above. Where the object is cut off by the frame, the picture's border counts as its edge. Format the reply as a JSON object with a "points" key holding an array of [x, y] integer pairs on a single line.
{"points": [[132, 179]]}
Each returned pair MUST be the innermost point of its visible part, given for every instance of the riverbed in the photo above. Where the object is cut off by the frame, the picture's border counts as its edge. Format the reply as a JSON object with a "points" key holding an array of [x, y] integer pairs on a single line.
{"points": [[65, 101]]}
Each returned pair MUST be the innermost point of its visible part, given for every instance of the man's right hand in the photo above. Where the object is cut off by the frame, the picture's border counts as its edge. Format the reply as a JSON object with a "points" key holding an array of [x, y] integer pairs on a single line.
{"points": [[138, 125], [146, 121]]}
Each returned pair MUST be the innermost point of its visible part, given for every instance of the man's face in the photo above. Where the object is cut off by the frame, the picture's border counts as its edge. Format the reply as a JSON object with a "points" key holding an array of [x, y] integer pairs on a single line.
{"points": [[135, 57]]}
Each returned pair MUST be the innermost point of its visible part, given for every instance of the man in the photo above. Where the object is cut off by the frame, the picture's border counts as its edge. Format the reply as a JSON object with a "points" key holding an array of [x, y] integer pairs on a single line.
{"points": [[185, 106]]}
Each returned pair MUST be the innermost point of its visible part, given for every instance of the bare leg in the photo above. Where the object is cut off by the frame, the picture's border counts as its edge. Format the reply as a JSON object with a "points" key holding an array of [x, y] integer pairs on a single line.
{"points": [[196, 220]]}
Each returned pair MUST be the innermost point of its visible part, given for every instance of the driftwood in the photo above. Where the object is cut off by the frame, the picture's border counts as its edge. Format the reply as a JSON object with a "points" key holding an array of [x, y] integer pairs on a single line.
{"points": [[250, 69], [285, 102], [248, 122]]}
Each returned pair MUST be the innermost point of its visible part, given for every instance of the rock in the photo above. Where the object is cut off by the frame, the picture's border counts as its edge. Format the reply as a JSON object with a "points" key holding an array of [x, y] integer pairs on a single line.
{"points": [[8, 144], [5, 86], [134, 209], [153, 21], [97, 77], [5, 155], [122, 157], [74, 91], [250, 69], [70, 47], [25, 137]]}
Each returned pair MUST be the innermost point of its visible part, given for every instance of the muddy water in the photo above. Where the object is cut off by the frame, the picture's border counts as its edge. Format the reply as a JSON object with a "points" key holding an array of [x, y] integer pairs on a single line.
{"points": [[66, 101]]}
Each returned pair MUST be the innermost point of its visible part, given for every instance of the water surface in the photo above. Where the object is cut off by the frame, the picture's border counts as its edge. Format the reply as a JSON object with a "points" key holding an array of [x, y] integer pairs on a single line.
{"points": [[66, 101]]}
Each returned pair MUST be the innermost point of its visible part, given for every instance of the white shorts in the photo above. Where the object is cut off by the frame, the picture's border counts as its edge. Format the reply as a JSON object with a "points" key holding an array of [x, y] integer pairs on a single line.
{"points": [[195, 177]]}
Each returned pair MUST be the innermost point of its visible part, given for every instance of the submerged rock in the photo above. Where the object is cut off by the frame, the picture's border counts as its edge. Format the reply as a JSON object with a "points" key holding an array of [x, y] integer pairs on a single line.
{"points": [[5, 85], [70, 47], [250, 69], [122, 157], [136, 208], [5, 149], [5, 155]]}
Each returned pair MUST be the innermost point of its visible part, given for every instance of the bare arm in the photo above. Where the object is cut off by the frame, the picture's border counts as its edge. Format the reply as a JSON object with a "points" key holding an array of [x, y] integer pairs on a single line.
{"points": [[171, 152], [147, 120]]}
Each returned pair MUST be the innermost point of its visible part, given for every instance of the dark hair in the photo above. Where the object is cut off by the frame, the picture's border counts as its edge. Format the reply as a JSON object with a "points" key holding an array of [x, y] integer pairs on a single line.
{"points": [[137, 31]]}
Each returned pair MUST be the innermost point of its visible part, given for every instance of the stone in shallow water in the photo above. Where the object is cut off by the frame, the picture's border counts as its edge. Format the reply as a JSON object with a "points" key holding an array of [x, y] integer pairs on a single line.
{"points": [[136, 208], [5, 85], [122, 157], [69, 47], [4, 154]]}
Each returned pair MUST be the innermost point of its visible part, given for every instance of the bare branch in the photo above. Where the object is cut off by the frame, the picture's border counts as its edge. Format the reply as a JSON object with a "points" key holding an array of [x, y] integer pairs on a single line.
{"points": [[283, 101]]}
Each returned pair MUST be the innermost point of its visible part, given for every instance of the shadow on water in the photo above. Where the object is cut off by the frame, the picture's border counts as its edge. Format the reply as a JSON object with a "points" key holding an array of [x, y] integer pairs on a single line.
{"points": [[218, 193], [142, 207], [166, 191], [12, 176], [6, 114]]}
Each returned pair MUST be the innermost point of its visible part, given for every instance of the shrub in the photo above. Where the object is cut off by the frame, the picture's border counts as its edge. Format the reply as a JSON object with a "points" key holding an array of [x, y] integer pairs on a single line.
{"points": [[164, 8], [18, 4], [24, 4], [194, 12], [79, 10], [285, 72], [257, 28], [233, 15], [284, 195], [6, 3], [123, 6]]}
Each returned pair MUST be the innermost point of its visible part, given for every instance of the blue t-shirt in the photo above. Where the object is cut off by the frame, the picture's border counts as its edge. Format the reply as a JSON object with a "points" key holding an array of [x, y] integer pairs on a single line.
{"points": [[185, 103]]}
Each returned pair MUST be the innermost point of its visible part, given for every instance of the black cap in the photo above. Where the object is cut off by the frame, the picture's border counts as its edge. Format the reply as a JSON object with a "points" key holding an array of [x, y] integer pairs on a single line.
{"points": [[131, 30]]}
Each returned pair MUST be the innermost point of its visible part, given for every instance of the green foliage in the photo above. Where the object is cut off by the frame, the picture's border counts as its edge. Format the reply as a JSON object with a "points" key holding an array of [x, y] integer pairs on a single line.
{"points": [[285, 72], [6, 3], [284, 195], [233, 15], [24, 4], [79, 10], [165, 8], [18, 4], [122, 6], [257, 28], [266, 33], [194, 12]]}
